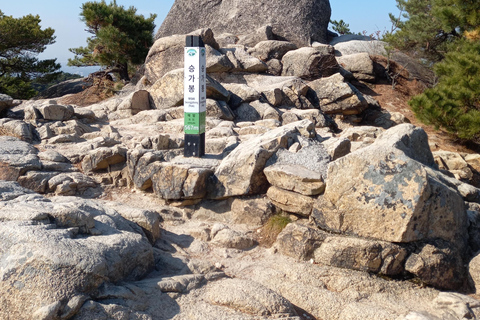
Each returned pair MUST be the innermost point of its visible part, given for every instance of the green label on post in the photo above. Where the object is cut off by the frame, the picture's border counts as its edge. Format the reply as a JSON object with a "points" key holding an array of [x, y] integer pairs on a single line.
{"points": [[195, 123]]}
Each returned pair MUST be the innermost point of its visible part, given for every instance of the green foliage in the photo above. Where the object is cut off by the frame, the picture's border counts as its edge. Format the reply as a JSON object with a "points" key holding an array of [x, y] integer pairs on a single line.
{"points": [[419, 33], [427, 27], [21, 39], [120, 37], [340, 27], [446, 34], [454, 103]]}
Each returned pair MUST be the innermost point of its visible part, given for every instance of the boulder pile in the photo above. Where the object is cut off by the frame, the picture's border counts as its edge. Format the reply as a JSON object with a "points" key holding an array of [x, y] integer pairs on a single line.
{"points": [[364, 203]]}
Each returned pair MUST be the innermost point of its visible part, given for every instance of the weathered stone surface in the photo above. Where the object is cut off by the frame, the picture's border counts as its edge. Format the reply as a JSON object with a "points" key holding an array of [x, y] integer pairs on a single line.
{"points": [[146, 117], [16, 158], [474, 271], [274, 96], [216, 91], [334, 95], [251, 211], [96, 310], [103, 157], [217, 61], [176, 181], [298, 22], [380, 192], [56, 112], [312, 155], [473, 160], [411, 140], [241, 93], [149, 220], [295, 178], [316, 116], [36, 181], [219, 109], [70, 127], [293, 90], [275, 67], [135, 102], [241, 172], [337, 147], [265, 110], [359, 64], [291, 201], [299, 241], [242, 61], [163, 56], [456, 305], [362, 133], [387, 119], [360, 254], [348, 37], [374, 47], [167, 92], [453, 162], [16, 128], [143, 164], [161, 142], [31, 113], [264, 33], [51, 155], [6, 102], [10, 190], [249, 297], [271, 49], [63, 88], [45, 263], [71, 183], [228, 238], [226, 39], [247, 112], [438, 265], [310, 63]]}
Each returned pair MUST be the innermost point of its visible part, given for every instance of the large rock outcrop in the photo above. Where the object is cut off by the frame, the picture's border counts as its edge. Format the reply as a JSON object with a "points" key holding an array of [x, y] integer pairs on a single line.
{"points": [[299, 21], [57, 251], [388, 192]]}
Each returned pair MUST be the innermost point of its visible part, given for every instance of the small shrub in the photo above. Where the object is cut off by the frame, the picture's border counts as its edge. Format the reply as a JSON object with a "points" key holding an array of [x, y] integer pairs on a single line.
{"points": [[272, 229]]}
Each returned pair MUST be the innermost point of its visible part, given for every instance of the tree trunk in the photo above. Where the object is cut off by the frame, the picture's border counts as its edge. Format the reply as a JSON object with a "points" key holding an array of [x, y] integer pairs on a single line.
{"points": [[123, 71]]}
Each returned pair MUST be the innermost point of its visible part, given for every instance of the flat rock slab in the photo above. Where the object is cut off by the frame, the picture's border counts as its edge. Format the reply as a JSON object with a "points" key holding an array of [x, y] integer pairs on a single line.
{"points": [[295, 178], [291, 201], [248, 296], [360, 254]]}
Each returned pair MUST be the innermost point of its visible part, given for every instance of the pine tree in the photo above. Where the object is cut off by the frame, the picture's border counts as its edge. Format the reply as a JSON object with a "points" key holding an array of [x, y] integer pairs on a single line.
{"points": [[341, 27], [120, 37], [21, 39], [447, 34], [419, 30], [454, 103]]}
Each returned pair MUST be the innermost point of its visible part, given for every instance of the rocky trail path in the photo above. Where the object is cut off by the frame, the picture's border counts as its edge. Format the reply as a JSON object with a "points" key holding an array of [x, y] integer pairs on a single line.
{"points": [[260, 283], [318, 199]]}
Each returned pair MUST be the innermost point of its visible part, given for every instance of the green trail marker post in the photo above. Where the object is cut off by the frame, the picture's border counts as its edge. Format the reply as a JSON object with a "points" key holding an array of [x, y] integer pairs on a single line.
{"points": [[195, 97]]}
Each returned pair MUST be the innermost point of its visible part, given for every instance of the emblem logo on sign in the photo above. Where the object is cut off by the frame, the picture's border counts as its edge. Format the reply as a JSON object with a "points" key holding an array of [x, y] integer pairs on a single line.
{"points": [[192, 52], [202, 52]]}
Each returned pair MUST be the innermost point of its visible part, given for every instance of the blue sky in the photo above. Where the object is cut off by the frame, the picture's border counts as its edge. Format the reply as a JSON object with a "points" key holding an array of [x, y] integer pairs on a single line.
{"points": [[63, 16]]}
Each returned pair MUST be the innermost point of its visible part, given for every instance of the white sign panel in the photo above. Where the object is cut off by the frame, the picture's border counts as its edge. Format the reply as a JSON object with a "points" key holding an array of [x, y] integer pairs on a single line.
{"points": [[195, 80]]}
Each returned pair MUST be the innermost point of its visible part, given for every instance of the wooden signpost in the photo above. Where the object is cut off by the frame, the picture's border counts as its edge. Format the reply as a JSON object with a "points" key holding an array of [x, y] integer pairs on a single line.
{"points": [[195, 97]]}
